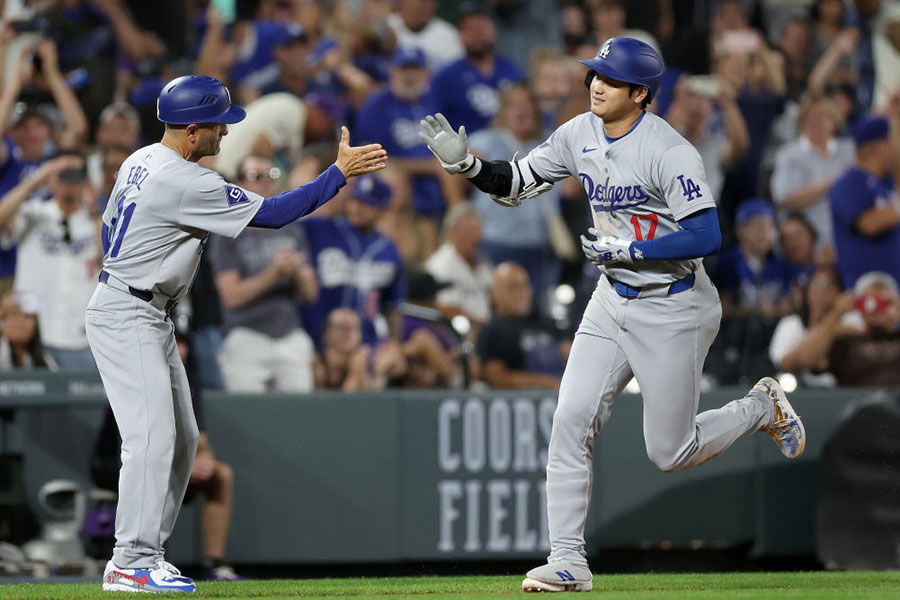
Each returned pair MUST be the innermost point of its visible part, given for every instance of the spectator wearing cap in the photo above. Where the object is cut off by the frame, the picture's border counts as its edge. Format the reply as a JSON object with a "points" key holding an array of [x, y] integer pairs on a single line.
{"points": [[288, 73], [59, 252], [416, 26], [752, 279], [358, 267], [806, 168], [459, 261], [871, 357], [261, 276], [467, 91], [22, 347], [34, 134], [864, 206], [390, 117]]}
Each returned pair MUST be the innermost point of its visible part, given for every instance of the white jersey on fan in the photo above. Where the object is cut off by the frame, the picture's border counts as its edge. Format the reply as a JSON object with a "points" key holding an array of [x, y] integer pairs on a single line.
{"points": [[639, 185]]}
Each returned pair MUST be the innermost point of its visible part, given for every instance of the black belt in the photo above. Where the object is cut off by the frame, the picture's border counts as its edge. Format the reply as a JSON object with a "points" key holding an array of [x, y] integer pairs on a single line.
{"points": [[144, 295]]}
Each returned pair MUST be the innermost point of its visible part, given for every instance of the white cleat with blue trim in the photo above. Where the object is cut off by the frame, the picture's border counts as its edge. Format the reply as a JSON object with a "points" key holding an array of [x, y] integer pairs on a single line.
{"points": [[162, 579], [786, 427], [558, 576]]}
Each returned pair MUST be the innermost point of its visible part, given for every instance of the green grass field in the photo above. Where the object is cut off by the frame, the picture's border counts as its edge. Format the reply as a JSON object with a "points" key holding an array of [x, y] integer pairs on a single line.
{"points": [[845, 586]]}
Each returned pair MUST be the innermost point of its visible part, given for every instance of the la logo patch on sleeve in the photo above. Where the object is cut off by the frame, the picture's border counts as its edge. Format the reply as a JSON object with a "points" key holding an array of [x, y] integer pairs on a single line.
{"points": [[236, 195]]}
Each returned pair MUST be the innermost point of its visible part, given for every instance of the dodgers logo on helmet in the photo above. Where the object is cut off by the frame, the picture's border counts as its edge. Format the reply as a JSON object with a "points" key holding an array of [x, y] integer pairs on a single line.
{"points": [[609, 197], [629, 60], [604, 51]]}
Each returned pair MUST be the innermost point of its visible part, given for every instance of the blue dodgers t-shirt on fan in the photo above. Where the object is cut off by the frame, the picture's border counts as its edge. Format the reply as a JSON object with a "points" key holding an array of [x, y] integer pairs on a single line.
{"points": [[359, 271], [12, 172], [466, 97], [394, 123], [852, 194]]}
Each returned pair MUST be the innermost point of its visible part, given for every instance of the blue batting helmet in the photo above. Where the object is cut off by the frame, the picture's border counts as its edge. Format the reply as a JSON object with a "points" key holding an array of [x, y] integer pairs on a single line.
{"points": [[629, 60], [197, 99]]}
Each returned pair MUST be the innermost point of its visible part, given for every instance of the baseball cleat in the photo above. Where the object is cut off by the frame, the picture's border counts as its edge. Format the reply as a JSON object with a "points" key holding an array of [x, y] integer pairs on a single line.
{"points": [[786, 427], [558, 576], [162, 579]]}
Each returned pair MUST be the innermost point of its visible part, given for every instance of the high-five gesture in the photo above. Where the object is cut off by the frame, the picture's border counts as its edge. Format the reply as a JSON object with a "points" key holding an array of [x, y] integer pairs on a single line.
{"points": [[450, 147], [358, 160]]}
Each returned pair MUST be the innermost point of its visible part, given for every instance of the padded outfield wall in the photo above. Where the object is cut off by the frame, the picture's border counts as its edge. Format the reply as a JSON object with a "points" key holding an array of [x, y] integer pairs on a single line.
{"points": [[433, 475]]}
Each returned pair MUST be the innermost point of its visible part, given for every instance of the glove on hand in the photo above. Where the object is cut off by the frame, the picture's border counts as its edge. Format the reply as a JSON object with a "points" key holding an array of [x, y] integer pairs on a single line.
{"points": [[606, 248], [450, 147]]}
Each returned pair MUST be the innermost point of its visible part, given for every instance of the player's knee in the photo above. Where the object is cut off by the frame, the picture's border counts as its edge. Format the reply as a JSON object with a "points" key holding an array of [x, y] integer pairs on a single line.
{"points": [[572, 415], [667, 461]]}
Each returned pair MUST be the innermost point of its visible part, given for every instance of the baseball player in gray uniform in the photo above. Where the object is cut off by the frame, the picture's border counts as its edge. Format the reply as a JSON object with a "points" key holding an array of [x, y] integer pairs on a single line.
{"points": [[654, 313], [160, 213]]}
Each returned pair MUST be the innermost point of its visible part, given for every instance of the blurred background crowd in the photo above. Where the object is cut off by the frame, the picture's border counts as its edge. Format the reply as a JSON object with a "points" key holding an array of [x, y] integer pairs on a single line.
{"points": [[413, 278]]}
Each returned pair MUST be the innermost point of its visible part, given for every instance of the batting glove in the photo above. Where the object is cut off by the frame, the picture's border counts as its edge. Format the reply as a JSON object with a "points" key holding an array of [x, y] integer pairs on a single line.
{"points": [[606, 248], [450, 147]]}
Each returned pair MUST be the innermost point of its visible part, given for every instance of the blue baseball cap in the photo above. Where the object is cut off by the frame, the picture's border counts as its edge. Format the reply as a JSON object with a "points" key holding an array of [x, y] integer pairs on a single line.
{"points": [[870, 129], [753, 208], [372, 190], [408, 57], [291, 32]]}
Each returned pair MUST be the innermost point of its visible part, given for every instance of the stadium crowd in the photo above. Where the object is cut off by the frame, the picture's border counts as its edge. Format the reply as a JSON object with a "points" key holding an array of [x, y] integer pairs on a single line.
{"points": [[413, 278]]}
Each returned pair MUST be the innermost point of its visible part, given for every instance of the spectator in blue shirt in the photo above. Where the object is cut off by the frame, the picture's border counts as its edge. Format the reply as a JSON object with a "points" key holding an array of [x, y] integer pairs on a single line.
{"points": [[358, 267], [467, 91], [390, 117], [864, 206], [752, 280]]}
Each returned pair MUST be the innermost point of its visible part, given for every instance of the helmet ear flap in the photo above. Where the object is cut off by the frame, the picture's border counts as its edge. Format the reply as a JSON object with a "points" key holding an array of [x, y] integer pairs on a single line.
{"points": [[588, 78]]}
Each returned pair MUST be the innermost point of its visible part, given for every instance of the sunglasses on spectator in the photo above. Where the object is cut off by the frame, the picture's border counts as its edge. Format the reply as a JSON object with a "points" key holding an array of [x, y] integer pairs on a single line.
{"points": [[253, 175]]}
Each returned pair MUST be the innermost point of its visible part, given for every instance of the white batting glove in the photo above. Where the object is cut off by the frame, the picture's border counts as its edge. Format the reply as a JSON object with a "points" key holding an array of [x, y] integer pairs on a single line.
{"points": [[450, 147], [606, 248]]}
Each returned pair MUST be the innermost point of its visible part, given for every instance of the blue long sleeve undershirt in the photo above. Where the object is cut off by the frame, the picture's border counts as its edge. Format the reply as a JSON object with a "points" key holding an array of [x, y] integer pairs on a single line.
{"points": [[700, 237], [289, 206]]}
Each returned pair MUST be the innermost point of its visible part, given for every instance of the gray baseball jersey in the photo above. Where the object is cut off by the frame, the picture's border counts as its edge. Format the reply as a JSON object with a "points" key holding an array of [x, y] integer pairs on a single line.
{"points": [[638, 186], [160, 211], [158, 218]]}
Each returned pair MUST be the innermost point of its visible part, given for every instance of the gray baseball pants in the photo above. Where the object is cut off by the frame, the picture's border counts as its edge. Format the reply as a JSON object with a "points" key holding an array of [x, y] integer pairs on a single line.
{"points": [[134, 345], [662, 340]]}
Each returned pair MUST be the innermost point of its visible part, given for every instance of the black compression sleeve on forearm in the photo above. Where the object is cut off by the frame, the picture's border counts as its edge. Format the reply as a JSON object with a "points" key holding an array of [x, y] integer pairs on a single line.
{"points": [[495, 177]]}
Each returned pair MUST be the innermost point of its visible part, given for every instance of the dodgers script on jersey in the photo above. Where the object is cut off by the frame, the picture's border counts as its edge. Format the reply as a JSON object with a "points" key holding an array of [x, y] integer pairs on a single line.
{"points": [[160, 212], [639, 185]]}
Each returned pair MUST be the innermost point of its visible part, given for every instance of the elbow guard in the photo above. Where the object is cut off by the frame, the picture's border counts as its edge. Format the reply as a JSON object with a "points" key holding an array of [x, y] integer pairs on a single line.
{"points": [[525, 184]]}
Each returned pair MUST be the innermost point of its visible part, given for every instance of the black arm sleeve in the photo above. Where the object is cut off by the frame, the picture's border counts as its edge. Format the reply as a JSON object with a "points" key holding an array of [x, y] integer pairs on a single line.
{"points": [[495, 177]]}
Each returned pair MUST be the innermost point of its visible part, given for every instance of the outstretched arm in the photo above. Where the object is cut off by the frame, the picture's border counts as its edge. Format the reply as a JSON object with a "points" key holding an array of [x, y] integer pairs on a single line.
{"points": [[285, 208], [507, 182]]}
